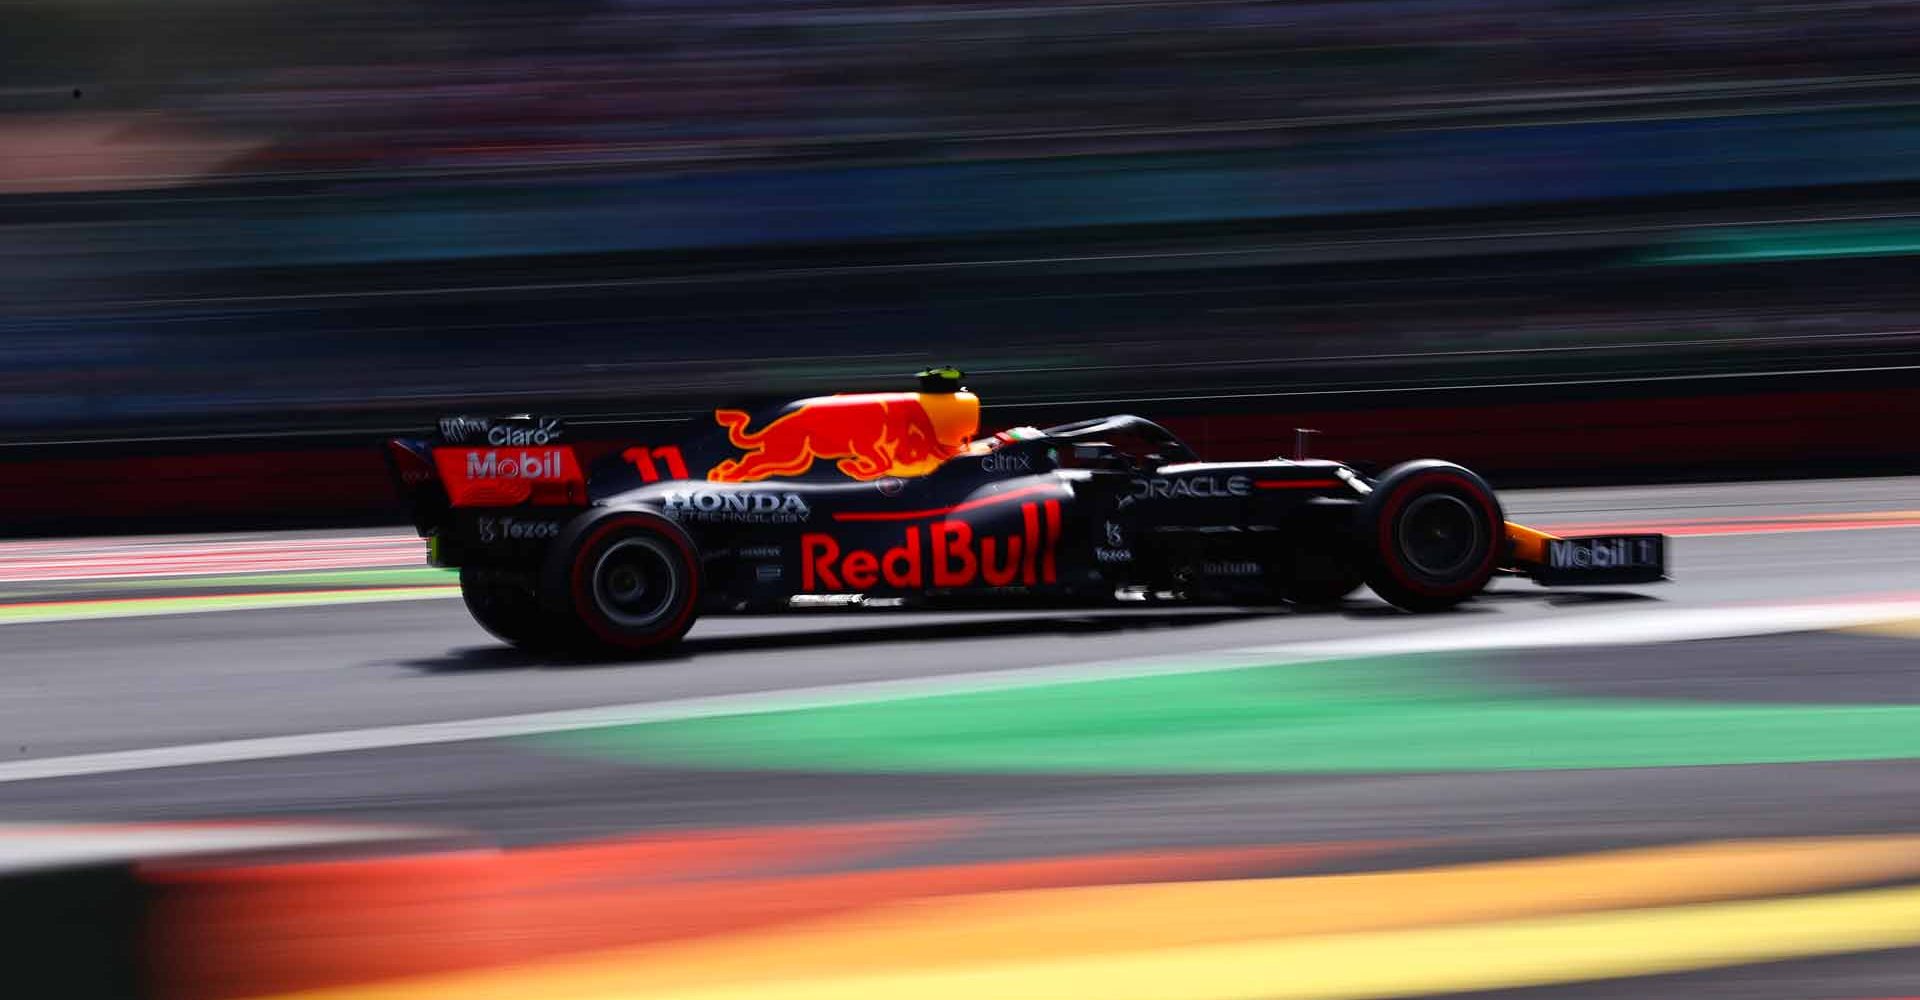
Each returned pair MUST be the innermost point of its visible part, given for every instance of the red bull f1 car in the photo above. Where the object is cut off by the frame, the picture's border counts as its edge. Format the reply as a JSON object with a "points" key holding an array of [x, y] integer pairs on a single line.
{"points": [[893, 495]]}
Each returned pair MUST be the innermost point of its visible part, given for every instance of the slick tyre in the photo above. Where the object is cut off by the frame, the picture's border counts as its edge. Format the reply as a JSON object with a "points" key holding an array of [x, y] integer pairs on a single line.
{"points": [[1431, 534], [507, 607], [632, 580]]}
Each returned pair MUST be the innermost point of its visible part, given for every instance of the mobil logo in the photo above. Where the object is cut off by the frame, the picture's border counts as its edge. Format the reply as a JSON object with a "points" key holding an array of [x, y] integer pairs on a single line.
{"points": [[522, 463], [866, 436], [941, 554], [555, 464], [478, 477]]}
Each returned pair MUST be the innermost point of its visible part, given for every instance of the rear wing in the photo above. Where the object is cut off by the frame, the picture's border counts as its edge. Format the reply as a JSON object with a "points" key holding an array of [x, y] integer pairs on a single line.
{"points": [[486, 462]]}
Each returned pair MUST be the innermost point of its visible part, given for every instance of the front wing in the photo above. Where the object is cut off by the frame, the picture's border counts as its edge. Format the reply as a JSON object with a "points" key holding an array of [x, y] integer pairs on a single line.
{"points": [[1587, 559]]}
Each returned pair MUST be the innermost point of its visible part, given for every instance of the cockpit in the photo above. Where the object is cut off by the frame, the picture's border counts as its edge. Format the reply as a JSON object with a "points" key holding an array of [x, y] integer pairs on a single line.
{"points": [[1123, 442]]}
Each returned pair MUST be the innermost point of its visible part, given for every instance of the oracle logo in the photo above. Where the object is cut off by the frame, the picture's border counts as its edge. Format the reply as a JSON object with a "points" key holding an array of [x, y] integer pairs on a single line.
{"points": [[1192, 486]]}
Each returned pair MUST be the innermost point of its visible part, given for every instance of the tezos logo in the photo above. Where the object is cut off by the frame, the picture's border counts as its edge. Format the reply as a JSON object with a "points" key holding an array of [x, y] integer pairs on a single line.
{"points": [[1115, 537], [1192, 486], [747, 506], [492, 529], [997, 462], [546, 431]]}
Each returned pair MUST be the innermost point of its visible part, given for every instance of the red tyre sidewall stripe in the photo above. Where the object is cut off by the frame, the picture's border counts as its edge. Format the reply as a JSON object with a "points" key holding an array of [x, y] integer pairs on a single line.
{"points": [[582, 587], [1401, 494]]}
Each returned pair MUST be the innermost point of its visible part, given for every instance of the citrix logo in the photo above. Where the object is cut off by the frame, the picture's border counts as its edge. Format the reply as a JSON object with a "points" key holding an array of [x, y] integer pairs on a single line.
{"points": [[997, 462]]}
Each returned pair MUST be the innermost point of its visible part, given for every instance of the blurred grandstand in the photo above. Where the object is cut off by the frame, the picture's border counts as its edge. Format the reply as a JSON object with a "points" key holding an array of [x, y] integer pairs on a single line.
{"points": [[227, 217]]}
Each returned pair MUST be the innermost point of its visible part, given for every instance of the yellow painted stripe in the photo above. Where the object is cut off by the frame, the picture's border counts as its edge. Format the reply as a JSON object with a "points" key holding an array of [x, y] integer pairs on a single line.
{"points": [[1050, 922], [1899, 628], [141, 607], [1384, 963], [1063, 942]]}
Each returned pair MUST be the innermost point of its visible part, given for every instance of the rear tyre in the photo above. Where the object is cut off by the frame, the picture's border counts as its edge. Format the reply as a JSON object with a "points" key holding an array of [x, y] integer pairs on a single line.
{"points": [[1432, 532], [633, 581], [507, 607]]}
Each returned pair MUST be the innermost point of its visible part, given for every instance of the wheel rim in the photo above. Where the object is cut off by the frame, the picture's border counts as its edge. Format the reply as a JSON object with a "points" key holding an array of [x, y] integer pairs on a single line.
{"points": [[1440, 535], [635, 582]]}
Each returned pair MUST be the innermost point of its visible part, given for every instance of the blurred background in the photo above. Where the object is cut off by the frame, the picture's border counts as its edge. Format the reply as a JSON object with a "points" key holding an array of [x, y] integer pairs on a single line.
{"points": [[221, 216], [1664, 247]]}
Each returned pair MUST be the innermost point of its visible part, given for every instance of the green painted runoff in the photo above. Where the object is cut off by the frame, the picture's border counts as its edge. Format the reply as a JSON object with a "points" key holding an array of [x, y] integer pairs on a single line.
{"points": [[1384, 715]]}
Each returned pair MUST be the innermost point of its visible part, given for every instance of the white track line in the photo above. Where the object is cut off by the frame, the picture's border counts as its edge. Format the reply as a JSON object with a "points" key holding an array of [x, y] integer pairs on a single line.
{"points": [[1619, 628], [26, 846], [1630, 627]]}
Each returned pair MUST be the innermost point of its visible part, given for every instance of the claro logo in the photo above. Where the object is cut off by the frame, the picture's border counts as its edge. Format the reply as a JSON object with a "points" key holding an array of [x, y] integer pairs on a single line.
{"points": [[501, 434], [942, 554], [546, 431], [527, 463]]}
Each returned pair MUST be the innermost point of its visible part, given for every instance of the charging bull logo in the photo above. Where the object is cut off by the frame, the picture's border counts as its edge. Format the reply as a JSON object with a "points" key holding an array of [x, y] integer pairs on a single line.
{"points": [[867, 436]]}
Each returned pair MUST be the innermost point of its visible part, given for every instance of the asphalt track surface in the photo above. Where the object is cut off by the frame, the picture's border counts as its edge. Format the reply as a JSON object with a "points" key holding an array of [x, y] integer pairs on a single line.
{"points": [[145, 682], [87, 687]]}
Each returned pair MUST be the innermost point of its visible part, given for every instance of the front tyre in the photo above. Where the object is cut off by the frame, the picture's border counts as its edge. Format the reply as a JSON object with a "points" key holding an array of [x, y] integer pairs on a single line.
{"points": [[633, 582], [1432, 533]]}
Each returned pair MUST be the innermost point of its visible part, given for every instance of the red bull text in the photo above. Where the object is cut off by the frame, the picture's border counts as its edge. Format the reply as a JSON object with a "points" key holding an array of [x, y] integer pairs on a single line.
{"points": [[942, 554]]}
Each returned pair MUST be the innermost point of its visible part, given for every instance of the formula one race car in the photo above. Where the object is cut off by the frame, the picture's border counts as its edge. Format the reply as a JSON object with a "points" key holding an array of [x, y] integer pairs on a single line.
{"points": [[865, 496]]}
